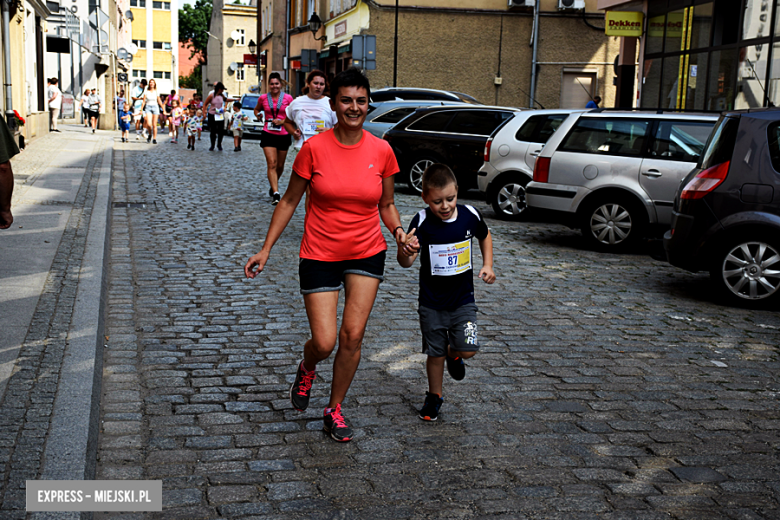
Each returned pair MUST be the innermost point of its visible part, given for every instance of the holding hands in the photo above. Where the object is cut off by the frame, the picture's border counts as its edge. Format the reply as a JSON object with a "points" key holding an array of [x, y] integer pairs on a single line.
{"points": [[408, 245]]}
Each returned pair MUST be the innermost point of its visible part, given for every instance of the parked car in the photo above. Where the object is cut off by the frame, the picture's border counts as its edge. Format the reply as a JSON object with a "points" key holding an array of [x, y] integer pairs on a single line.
{"points": [[453, 135], [510, 155], [614, 174], [422, 94], [251, 126], [383, 115], [726, 217]]}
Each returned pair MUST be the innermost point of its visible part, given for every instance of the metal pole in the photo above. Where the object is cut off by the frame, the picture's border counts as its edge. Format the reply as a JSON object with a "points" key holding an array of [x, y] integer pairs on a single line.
{"points": [[395, 48], [10, 118], [532, 96]]}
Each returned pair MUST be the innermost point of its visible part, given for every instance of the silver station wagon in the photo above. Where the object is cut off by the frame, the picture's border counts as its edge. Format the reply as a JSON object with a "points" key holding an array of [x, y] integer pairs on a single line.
{"points": [[614, 174]]}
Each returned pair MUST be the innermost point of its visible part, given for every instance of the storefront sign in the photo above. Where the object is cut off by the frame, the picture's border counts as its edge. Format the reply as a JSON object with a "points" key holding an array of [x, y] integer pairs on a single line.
{"points": [[340, 29], [674, 26], [624, 23], [250, 59]]}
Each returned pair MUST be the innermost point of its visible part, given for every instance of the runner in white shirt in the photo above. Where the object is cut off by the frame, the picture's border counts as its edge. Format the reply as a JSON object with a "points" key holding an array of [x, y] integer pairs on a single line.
{"points": [[310, 114], [54, 98]]}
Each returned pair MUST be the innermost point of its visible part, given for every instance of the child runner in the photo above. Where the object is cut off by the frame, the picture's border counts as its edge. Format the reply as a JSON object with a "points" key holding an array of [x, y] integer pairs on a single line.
{"points": [[441, 235], [192, 123], [200, 121], [175, 121], [124, 121], [237, 125]]}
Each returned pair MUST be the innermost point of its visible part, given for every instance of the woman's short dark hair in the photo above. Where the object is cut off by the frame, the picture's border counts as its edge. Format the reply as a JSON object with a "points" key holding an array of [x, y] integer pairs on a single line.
{"points": [[437, 176], [351, 77], [274, 75], [316, 73]]}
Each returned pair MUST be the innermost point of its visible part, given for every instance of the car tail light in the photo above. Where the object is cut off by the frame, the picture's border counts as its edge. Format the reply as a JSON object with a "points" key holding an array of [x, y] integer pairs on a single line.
{"points": [[488, 144], [542, 169], [387, 137], [705, 181]]}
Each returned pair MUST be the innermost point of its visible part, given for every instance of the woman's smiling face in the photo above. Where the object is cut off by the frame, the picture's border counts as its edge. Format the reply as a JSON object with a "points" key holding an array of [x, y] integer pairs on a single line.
{"points": [[351, 107]]}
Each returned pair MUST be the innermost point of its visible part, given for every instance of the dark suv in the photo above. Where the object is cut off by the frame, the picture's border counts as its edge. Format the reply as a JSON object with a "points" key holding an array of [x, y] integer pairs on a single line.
{"points": [[726, 217], [453, 135]]}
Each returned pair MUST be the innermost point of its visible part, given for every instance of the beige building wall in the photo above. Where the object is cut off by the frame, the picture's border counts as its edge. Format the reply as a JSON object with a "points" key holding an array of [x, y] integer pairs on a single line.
{"points": [[227, 18]]}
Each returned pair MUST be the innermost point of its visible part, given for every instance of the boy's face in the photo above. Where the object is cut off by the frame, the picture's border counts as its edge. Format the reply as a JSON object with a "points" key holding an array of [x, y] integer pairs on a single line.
{"points": [[236, 109], [442, 201], [192, 112]]}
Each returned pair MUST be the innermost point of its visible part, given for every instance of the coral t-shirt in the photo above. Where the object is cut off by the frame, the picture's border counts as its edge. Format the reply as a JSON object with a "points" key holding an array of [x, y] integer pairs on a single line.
{"points": [[342, 219]]}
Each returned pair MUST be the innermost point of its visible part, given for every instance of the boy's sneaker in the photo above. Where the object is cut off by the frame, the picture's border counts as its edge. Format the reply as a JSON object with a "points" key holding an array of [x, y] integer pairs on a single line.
{"points": [[456, 368], [430, 410], [277, 198], [334, 424], [149, 139], [301, 388]]}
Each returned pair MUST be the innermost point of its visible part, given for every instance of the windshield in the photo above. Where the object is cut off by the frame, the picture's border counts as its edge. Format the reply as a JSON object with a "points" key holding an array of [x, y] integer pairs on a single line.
{"points": [[721, 143], [249, 102]]}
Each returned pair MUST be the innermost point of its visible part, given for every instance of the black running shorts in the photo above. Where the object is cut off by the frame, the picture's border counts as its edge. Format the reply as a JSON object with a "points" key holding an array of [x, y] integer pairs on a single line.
{"points": [[318, 276], [457, 328]]}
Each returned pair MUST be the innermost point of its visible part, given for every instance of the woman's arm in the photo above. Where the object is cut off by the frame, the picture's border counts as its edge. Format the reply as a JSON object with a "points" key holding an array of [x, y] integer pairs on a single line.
{"points": [[292, 128], [281, 217], [388, 212], [207, 102]]}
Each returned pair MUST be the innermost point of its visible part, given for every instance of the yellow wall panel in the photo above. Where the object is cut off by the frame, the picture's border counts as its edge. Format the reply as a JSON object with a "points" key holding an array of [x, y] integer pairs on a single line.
{"points": [[162, 61], [161, 30], [139, 60], [138, 24]]}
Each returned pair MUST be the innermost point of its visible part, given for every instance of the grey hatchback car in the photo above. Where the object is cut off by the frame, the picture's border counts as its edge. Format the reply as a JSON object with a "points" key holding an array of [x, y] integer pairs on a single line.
{"points": [[614, 174]]}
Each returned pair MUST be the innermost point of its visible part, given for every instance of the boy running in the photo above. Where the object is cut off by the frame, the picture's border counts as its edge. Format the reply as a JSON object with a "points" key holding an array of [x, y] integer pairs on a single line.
{"points": [[441, 235]]}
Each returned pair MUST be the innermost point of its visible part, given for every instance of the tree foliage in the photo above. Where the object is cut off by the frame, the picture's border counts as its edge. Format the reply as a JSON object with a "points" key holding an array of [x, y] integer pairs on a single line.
{"points": [[194, 21], [194, 80]]}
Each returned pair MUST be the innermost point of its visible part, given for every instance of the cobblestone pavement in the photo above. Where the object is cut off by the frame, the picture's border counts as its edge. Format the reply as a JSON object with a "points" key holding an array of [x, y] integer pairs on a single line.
{"points": [[607, 387]]}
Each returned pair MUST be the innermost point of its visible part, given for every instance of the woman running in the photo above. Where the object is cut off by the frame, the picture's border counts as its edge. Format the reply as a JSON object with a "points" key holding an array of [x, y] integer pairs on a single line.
{"points": [[310, 114], [274, 138], [152, 104], [350, 176], [215, 107]]}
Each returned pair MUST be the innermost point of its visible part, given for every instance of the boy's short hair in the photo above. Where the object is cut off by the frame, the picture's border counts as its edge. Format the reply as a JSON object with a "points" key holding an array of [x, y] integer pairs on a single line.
{"points": [[237, 104], [351, 77], [437, 176]]}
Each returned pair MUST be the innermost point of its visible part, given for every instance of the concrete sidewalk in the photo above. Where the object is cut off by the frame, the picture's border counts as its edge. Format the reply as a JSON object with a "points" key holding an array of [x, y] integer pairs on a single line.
{"points": [[52, 279]]}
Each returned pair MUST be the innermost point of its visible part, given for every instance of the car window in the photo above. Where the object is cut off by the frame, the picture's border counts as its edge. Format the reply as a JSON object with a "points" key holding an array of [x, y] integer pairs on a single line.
{"points": [[432, 122], [773, 135], [607, 136], [249, 102], [680, 140], [477, 122], [721, 143], [539, 129], [395, 115]]}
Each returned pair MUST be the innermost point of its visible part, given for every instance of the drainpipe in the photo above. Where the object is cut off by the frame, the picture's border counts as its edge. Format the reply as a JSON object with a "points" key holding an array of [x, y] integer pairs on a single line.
{"points": [[10, 118], [287, 45], [532, 96]]}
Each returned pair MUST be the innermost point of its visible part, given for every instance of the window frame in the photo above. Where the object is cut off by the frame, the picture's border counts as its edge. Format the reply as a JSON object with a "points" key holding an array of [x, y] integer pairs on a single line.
{"points": [[650, 125]]}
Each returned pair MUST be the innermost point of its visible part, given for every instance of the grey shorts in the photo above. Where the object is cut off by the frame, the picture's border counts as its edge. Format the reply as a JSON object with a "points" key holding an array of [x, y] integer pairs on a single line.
{"points": [[457, 328]]}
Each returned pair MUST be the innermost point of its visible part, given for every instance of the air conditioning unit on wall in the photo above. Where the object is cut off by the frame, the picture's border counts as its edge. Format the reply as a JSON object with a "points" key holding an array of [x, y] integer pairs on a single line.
{"points": [[522, 3], [571, 4]]}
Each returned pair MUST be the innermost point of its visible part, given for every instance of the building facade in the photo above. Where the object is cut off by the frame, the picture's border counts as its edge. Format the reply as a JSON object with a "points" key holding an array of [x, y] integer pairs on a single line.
{"points": [[233, 27], [155, 41], [707, 54], [479, 47]]}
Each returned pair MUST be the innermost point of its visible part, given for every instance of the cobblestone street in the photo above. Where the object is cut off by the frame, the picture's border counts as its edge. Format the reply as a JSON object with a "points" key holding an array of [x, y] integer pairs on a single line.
{"points": [[609, 387]]}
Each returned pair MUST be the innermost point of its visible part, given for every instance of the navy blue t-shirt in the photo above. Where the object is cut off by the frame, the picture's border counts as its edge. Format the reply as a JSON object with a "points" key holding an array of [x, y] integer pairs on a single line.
{"points": [[446, 274]]}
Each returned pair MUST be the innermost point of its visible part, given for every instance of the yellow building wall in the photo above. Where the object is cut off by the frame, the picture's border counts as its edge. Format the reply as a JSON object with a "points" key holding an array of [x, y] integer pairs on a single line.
{"points": [[161, 28], [162, 61], [139, 60], [139, 24]]}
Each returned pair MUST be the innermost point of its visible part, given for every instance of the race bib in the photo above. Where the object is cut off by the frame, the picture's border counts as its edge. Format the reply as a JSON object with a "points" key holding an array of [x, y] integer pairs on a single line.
{"points": [[450, 259], [310, 126], [219, 115], [274, 128]]}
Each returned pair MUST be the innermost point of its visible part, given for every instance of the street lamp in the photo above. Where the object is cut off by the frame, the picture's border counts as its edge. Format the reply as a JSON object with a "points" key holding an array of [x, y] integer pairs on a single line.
{"points": [[252, 47], [314, 25]]}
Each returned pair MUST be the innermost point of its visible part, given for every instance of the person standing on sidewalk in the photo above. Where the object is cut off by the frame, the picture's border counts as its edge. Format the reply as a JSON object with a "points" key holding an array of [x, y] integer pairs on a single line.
{"points": [[8, 149], [274, 138], [54, 96], [137, 96], [152, 105], [349, 174], [94, 102], [215, 108], [448, 313], [310, 114]]}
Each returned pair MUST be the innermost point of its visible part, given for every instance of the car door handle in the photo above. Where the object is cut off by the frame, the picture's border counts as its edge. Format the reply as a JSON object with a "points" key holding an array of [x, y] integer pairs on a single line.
{"points": [[652, 173], [535, 153], [454, 145]]}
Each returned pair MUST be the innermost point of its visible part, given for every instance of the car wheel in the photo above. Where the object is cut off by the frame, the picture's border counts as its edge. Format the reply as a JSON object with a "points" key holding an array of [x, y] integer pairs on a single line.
{"points": [[507, 196], [748, 269], [416, 172], [612, 224]]}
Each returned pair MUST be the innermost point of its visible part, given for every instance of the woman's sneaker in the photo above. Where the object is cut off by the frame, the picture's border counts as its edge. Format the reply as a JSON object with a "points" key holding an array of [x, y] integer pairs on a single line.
{"points": [[301, 388], [456, 368], [277, 198], [334, 424], [430, 410]]}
